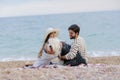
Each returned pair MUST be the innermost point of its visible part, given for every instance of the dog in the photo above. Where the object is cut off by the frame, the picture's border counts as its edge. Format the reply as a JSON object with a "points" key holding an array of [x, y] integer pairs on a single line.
{"points": [[54, 45]]}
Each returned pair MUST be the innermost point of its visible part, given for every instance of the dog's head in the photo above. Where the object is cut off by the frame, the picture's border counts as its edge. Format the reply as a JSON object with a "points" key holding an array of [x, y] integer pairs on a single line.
{"points": [[54, 45]]}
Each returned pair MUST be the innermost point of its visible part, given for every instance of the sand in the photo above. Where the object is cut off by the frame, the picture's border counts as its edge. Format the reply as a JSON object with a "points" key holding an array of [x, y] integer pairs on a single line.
{"points": [[99, 68]]}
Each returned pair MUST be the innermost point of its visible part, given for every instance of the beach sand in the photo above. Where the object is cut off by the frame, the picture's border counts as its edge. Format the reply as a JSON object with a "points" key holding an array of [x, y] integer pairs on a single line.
{"points": [[99, 68]]}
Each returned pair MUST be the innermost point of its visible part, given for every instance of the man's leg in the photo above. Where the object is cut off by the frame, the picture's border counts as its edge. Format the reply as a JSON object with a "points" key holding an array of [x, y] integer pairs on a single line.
{"points": [[76, 61]]}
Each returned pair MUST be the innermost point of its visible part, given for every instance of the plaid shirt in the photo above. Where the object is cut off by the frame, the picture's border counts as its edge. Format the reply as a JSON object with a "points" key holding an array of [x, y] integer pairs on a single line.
{"points": [[77, 46]]}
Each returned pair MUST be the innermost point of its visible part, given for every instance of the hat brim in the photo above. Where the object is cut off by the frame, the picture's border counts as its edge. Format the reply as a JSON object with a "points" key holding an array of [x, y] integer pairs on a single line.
{"points": [[50, 31]]}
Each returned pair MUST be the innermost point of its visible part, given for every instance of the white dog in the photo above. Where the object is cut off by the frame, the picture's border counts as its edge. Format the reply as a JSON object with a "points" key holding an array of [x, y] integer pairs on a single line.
{"points": [[54, 44], [45, 59]]}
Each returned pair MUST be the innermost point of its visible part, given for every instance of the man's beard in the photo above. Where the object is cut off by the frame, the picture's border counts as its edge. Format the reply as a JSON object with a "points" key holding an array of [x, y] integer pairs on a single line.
{"points": [[72, 37]]}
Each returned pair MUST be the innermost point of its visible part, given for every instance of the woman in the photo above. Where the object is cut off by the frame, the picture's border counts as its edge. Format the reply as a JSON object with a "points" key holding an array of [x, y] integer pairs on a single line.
{"points": [[45, 54]]}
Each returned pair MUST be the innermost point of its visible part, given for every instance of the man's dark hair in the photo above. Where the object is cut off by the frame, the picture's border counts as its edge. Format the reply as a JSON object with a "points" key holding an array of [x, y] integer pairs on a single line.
{"points": [[74, 28]]}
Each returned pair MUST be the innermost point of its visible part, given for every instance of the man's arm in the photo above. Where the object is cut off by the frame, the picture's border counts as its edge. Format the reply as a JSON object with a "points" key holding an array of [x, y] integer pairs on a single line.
{"points": [[71, 54]]}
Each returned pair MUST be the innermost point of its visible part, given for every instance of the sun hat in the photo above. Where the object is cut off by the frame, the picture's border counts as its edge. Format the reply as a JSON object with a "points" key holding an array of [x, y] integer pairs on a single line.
{"points": [[50, 30]]}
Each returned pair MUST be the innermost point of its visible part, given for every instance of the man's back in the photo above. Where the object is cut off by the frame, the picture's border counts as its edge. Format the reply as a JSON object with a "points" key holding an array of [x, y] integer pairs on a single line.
{"points": [[77, 46], [80, 42]]}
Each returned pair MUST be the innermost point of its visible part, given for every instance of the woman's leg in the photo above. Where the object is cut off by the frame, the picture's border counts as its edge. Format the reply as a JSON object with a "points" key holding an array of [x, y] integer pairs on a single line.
{"points": [[40, 62], [43, 60]]}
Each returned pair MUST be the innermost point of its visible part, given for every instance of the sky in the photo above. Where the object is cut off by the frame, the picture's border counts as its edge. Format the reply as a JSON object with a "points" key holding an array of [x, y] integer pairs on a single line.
{"points": [[10, 8]]}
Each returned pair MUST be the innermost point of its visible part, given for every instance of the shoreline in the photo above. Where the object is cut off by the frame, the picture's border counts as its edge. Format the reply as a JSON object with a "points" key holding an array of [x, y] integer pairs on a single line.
{"points": [[90, 59]]}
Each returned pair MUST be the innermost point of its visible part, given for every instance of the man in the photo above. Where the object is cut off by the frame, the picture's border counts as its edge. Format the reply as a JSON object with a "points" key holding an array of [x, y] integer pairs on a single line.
{"points": [[78, 46]]}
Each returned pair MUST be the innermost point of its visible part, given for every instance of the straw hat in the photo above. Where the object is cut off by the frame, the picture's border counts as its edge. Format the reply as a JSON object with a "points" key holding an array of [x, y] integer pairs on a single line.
{"points": [[50, 30]]}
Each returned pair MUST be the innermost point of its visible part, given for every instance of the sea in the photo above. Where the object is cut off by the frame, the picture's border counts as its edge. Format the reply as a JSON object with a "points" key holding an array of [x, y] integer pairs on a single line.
{"points": [[21, 37]]}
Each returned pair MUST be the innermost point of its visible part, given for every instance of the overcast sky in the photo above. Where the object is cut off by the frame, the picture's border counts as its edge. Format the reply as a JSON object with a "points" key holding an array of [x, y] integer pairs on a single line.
{"points": [[41, 7]]}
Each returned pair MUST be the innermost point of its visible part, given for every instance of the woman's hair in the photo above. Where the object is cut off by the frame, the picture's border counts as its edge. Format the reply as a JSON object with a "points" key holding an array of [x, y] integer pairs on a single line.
{"points": [[41, 50], [47, 38]]}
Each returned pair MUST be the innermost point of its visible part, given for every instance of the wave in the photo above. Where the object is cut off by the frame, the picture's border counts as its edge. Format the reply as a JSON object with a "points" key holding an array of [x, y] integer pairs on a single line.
{"points": [[89, 53], [103, 53]]}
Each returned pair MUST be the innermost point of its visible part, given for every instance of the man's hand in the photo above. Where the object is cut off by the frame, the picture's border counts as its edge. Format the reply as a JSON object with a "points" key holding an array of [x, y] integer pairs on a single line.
{"points": [[62, 57]]}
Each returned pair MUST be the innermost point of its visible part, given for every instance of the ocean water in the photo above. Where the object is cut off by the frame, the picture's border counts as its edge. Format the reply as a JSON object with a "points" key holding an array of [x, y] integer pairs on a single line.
{"points": [[21, 37]]}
